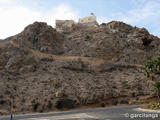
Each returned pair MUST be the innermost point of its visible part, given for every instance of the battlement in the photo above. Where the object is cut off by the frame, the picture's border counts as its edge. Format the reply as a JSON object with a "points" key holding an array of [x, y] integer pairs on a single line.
{"points": [[86, 21]]}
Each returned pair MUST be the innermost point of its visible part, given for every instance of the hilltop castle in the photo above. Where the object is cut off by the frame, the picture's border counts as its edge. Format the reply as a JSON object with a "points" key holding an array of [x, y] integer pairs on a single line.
{"points": [[86, 21], [89, 19]]}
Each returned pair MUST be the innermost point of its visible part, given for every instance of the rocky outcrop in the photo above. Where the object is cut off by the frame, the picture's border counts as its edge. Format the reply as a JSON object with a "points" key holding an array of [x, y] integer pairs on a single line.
{"points": [[42, 69], [115, 41], [64, 24], [40, 36]]}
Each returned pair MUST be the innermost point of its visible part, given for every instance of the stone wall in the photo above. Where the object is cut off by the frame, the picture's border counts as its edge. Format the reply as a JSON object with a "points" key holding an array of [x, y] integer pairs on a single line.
{"points": [[65, 24], [89, 19]]}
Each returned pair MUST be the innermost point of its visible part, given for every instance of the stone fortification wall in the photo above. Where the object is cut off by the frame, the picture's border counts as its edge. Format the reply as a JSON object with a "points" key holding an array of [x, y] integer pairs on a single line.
{"points": [[89, 19]]}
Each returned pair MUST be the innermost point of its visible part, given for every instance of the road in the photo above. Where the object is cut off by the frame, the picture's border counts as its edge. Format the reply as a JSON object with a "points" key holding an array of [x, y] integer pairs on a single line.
{"points": [[110, 113]]}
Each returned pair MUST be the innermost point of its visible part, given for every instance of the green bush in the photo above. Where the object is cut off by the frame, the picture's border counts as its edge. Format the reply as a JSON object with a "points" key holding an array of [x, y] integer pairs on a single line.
{"points": [[114, 102], [154, 106], [65, 103], [152, 70], [35, 106], [58, 105], [49, 105], [103, 104], [157, 87], [152, 66]]}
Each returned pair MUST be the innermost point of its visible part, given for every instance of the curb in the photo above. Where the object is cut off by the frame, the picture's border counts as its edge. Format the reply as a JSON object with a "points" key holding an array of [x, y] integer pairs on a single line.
{"points": [[147, 110]]}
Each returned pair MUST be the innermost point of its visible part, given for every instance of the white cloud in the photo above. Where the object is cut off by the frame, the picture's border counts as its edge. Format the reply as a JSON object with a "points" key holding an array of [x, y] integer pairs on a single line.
{"points": [[147, 16], [63, 12], [138, 2], [148, 13], [6, 1], [13, 19]]}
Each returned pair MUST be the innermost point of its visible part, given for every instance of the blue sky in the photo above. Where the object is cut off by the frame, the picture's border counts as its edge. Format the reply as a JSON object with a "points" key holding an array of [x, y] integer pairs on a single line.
{"points": [[17, 14]]}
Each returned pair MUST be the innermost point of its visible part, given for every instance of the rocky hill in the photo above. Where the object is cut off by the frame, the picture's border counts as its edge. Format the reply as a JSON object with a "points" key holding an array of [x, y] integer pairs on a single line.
{"points": [[44, 70]]}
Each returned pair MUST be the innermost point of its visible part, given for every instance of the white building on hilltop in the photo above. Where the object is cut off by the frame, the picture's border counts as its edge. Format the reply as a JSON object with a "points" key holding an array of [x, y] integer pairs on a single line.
{"points": [[90, 19]]}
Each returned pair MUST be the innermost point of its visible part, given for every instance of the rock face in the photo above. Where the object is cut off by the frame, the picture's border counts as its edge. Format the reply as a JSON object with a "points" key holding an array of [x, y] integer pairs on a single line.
{"points": [[114, 41], [64, 24], [40, 36], [42, 69]]}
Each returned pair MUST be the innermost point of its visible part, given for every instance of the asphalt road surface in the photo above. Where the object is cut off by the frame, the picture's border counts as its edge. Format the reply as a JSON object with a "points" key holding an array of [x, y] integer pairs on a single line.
{"points": [[110, 113]]}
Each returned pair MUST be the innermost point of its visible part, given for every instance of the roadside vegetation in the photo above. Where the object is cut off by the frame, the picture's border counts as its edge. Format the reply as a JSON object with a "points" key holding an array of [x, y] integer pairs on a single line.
{"points": [[152, 71]]}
